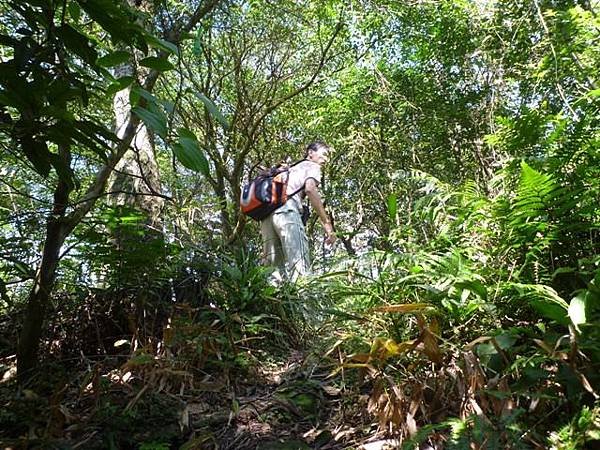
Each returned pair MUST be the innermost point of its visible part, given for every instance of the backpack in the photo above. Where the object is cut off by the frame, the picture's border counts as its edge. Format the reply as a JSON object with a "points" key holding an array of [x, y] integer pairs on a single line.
{"points": [[267, 192]]}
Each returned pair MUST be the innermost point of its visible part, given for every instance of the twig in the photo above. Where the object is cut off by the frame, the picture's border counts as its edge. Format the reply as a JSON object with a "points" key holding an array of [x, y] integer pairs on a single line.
{"points": [[558, 85], [16, 191], [92, 434]]}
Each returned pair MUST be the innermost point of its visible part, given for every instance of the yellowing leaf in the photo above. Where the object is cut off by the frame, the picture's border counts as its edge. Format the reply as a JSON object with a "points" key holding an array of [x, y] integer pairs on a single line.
{"points": [[406, 308], [577, 309]]}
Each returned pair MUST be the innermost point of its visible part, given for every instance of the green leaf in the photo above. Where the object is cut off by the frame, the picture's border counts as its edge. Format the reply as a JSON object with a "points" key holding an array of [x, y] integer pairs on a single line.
{"points": [[550, 310], [594, 93], [577, 309], [213, 110], [64, 172], [156, 63], [119, 84], [474, 286], [168, 106], [563, 270], [74, 11], [152, 120], [77, 43], [23, 268], [189, 153], [392, 206], [113, 19], [37, 152], [185, 133], [141, 92], [155, 42], [114, 58], [545, 300]]}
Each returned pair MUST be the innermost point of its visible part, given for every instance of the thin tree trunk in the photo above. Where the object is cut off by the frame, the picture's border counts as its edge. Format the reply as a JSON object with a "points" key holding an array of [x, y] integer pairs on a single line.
{"points": [[29, 339], [59, 224]]}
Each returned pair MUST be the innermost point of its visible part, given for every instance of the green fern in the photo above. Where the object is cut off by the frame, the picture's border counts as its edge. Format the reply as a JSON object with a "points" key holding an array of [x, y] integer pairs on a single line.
{"points": [[533, 221], [537, 194]]}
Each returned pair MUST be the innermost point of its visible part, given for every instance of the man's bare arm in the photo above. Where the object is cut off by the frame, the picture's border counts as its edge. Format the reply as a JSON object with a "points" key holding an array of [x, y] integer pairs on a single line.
{"points": [[312, 192]]}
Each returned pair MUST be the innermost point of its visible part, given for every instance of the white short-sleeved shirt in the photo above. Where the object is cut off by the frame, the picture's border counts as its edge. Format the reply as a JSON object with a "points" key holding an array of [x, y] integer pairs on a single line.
{"points": [[297, 176]]}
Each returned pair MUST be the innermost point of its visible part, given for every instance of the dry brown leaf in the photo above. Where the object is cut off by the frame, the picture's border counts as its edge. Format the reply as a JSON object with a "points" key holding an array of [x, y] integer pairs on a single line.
{"points": [[360, 357], [586, 385], [432, 350], [416, 398], [381, 445], [411, 424], [544, 346], [332, 349], [209, 387], [479, 340]]}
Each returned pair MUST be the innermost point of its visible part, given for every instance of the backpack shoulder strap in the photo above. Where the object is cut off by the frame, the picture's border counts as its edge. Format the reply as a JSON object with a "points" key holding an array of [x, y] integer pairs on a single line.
{"points": [[301, 188]]}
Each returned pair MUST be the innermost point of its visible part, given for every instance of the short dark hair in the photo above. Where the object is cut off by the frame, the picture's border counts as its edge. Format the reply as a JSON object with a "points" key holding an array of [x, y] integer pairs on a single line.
{"points": [[314, 146]]}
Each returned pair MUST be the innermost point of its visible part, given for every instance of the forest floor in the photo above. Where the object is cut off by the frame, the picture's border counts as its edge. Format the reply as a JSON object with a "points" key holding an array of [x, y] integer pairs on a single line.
{"points": [[290, 402], [293, 404]]}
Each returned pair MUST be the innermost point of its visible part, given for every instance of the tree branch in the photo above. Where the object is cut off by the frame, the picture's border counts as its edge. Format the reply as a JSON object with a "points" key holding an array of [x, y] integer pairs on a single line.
{"points": [[203, 9]]}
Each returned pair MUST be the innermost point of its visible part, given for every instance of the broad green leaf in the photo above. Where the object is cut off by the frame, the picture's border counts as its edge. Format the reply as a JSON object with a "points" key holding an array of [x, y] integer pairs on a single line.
{"points": [[137, 92], [23, 268], [392, 206], [505, 340], [64, 171], [546, 301], [155, 42], [549, 310], [74, 11], [114, 58], [77, 43], [189, 153], [169, 106], [594, 93], [416, 269], [213, 110], [152, 120], [563, 270], [185, 133], [38, 154], [156, 63], [119, 84], [486, 349], [474, 286], [115, 20], [577, 309], [189, 159]]}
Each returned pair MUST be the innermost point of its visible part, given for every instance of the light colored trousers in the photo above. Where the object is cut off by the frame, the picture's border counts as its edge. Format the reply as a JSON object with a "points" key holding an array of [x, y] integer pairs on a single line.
{"points": [[285, 244]]}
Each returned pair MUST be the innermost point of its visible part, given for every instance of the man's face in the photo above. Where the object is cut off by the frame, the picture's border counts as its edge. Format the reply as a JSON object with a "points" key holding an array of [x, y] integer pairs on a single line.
{"points": [[320, 156]]}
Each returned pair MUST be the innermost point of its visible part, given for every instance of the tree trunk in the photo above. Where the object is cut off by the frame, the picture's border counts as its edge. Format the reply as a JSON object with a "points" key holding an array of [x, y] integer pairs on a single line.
{"points": [[59, 224], [136, 179], [29, 339], [39, 297]]}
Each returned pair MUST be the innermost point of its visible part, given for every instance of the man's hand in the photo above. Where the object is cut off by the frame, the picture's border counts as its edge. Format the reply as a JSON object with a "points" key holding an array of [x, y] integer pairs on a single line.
{"points": [[331, 237], [312, 192]]}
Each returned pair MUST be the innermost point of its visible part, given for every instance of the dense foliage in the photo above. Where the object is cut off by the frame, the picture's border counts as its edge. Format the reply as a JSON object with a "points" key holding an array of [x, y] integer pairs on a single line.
{"points": [[461, 306]]}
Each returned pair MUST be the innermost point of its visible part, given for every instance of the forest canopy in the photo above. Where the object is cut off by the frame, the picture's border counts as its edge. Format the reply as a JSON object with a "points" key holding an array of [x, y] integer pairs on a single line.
{"points": [[460, 307]]}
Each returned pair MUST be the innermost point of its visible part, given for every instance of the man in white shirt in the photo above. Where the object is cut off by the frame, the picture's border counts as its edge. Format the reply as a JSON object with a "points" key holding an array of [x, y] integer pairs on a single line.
{"points": [[285, 244]]}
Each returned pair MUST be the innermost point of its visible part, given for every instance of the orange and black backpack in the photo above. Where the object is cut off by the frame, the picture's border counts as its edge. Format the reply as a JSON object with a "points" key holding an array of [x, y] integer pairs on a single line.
{"points": [[265, 193]]}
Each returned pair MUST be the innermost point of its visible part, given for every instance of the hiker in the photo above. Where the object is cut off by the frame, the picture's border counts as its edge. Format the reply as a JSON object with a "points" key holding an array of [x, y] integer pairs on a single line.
{"points": [[285, 244]]}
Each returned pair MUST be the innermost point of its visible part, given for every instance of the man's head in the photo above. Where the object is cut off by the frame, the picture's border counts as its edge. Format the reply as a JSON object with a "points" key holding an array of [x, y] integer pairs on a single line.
{"points": [[317, 152]]}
